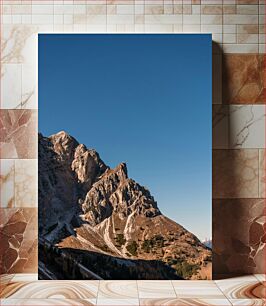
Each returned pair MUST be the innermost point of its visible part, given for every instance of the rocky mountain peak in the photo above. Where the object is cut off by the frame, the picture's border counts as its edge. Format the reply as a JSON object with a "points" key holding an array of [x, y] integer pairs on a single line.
{"points": [[63, 138], [85, 205], [64, 145], [114, 192], [119, 172], [87, 165]]}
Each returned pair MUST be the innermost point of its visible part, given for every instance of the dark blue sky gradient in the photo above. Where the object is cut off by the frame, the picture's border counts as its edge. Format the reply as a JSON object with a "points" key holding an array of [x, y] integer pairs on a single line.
{"points": [[140, 99]]}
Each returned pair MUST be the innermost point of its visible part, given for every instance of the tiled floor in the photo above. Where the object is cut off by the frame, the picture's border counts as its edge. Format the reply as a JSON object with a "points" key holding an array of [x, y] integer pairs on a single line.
{"points": [[25, 289]]}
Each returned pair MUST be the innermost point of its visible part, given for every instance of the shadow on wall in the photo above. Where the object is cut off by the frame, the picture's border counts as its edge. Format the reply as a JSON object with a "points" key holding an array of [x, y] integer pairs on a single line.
{"points": [[239, 211]]}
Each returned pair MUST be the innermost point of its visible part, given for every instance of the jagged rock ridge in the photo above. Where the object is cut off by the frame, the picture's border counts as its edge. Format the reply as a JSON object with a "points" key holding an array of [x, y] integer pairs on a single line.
{"points": [[85, 205]]}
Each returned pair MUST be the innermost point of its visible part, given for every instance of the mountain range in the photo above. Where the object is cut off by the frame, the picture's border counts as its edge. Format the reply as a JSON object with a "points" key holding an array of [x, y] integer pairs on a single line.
{"points": [[97, 223]]}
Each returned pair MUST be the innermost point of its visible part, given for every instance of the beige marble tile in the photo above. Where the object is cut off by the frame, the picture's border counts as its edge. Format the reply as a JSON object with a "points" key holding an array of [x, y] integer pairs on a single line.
{"points": [[248, 302], [26, 19], [125, 28], [6, 9], [163, 19], [26, 183], [260, 277], [247, 126], [209, 28], [248, 29], [19, 43], [262, 28], [96, 9], [211, 19], [120, 19], [139, 8], [79, 9], [77, 19], [117, 302], [217, 38], [211, 9], [183, 302], [4, 280], [29, 85], [262, 7], [216, 2], [48, 302], [247, 9], [191, 19], [25, 277], [178, 9], [7, 183], [247, 1], [195, 9], [158, 28], [187, 9], [197, 289], [10, 85], [68, 19], [229, 38], [248, 287], [125, 9], [262, 38], [247, 38], [262, 170], [237, 279], [240, 19], [240, 48], [156, 289], [229, 9], [139, 28], [96, 28], [51, 290], [191, 28], [262, 49], [42, 19], [118, 290], [42, 9], [139, 19], [168, 9], [7, 19], [153, 9], [229, 28]]}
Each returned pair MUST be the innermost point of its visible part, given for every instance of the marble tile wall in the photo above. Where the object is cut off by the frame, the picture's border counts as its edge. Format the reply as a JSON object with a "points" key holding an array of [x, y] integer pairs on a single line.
{"points": [[239, 235], [238, 31], [18, 252]]}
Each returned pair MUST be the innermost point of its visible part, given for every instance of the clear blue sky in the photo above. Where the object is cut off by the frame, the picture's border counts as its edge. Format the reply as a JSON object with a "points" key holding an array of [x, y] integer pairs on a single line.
{"points": [[140, 99]]}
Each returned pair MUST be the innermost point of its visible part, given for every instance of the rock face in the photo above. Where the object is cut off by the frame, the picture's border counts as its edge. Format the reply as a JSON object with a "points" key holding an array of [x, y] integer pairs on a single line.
{"points": [[84, 205], [115, 194]]}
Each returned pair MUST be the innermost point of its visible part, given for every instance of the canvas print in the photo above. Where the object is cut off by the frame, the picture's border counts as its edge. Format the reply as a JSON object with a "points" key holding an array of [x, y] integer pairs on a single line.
{"points": [[124, 156]]}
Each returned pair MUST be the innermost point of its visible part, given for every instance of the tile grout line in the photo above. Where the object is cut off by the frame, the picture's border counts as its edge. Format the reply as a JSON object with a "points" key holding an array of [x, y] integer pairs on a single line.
{"points": [[221, 291], [98, 289], [138, 291]]}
